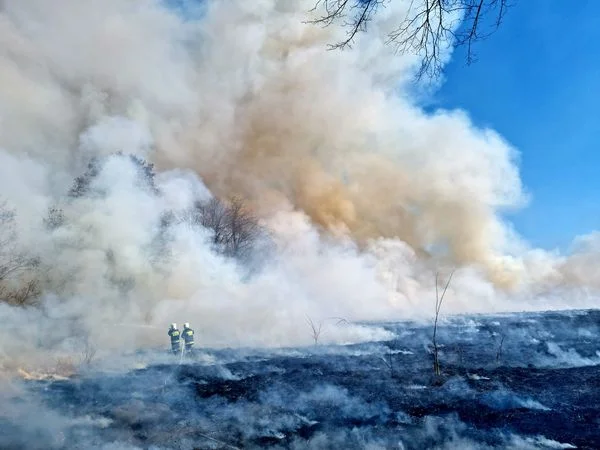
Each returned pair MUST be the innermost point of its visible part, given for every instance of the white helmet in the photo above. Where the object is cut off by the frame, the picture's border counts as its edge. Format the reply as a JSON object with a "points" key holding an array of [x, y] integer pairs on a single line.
{"points": [[186, 325], [173, 326]]}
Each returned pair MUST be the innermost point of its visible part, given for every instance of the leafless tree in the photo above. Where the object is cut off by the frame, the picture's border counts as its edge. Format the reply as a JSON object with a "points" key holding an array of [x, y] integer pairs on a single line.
{"points": [[428, 26], [235, 228], [438, 306], [18, 285]]}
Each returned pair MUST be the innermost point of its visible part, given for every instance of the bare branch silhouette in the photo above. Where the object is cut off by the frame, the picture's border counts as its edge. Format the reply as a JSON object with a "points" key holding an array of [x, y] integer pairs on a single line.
{"points": [[428, 27]]}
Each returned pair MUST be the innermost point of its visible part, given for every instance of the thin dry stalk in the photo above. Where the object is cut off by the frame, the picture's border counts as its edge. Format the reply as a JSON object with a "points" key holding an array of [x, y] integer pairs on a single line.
{"points": [[438, 306]]}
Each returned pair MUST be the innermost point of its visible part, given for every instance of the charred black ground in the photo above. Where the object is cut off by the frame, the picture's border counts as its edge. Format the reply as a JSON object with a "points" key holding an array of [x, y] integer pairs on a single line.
{"points": [[509, 381]]}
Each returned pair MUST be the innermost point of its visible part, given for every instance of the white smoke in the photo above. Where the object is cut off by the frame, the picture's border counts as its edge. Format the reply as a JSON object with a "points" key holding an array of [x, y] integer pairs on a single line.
{"points": [[366, 196]]}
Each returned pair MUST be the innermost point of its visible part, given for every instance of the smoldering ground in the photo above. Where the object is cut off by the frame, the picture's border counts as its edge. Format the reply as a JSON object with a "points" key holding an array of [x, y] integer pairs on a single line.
{"points": [[368, 395]]}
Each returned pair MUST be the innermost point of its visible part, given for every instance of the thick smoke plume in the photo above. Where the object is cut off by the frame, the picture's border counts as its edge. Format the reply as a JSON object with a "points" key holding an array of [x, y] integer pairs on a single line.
{"points": [[363, 194]]}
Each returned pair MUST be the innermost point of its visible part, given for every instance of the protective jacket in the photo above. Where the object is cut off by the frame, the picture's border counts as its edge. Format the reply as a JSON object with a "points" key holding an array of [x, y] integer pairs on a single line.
{"points": [[188, 337], [175, 339]]}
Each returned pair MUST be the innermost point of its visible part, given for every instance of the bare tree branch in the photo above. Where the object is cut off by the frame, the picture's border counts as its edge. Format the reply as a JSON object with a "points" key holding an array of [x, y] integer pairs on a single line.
{"points": [[361, 14], [428, 27]]}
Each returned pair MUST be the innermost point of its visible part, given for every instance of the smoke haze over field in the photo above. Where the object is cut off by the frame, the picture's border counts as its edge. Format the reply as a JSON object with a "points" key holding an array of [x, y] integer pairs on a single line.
{"points": [[365, 195]]}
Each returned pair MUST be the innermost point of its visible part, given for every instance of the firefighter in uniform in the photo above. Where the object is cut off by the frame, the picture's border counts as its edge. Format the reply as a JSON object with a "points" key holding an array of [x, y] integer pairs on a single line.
{"points": [[188, 337], [175, 338]]}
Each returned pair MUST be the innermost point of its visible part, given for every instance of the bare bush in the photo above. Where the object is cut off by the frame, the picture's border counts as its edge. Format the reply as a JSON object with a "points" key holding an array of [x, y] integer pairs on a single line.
{"points": [[427, 27], [64, 366], [88, 351], [315, 329]]}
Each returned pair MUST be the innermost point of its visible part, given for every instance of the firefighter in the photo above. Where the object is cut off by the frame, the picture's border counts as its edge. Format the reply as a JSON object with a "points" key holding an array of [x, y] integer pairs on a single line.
{"points": [[175, 338], [188, 337]]}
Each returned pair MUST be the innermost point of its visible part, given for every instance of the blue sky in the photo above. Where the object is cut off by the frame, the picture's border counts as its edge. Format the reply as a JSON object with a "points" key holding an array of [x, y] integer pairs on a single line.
{"points": [[537, 82]]}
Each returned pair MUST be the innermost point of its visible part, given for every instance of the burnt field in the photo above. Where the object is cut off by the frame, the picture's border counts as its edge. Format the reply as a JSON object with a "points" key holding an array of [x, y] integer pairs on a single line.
{"points": [[509, 381]]}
